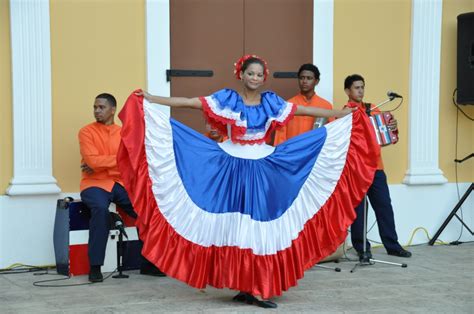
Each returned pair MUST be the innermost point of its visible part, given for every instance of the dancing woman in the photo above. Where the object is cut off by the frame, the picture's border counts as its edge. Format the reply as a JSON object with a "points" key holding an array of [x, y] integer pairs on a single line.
{"points": [[242, 214]]}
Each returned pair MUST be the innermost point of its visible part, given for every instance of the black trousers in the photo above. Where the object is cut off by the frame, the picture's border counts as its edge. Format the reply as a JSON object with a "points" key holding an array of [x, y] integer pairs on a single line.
{"points": [[98, 201], [379, 197]]}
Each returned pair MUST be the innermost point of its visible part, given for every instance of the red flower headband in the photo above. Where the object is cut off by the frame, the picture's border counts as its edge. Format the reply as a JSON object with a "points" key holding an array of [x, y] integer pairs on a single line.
{"points": [[240, 62]]}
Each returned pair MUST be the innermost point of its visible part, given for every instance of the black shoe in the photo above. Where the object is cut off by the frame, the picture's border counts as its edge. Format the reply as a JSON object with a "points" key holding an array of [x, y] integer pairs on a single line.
{"points": [[250, 299], [364, 257], [400, 253], [95, 275], [149, 269]]}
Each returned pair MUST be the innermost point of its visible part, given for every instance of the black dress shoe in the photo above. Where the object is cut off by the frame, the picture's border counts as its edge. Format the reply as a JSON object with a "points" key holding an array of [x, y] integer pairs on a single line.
{"points": [[400, 253], [152, 272], [149, 269], [364, 257], [95, 275], [250, 299]]}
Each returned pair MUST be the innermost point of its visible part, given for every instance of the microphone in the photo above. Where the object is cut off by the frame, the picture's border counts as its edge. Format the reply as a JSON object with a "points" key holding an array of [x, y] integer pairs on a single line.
{"points": [[117, 223], [319, 122], [393, 95]]}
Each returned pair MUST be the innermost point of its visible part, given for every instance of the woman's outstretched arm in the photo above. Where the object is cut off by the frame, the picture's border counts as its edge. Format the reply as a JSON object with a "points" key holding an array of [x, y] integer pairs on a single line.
{"points": [[319, 112], [175, 102]]}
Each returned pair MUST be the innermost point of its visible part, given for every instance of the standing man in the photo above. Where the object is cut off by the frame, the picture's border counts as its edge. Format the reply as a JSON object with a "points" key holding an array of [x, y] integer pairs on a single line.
{"points": [[308, 78], [378, 193], [214, 134], [101, 184]]}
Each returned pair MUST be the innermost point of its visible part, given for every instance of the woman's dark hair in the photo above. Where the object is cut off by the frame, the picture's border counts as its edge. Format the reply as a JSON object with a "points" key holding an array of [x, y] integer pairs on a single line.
{"points": [[250, 61], [309, 67], [351, 79]]}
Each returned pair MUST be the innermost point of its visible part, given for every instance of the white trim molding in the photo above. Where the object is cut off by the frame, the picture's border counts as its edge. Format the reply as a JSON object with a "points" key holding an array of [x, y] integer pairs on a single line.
{"points": [[424, 94], [31, 80], [158, 48], [323, 45]]}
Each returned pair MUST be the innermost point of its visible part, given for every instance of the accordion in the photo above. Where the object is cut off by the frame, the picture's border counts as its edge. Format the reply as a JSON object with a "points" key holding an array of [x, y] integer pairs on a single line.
{"points": [[384, 135]]}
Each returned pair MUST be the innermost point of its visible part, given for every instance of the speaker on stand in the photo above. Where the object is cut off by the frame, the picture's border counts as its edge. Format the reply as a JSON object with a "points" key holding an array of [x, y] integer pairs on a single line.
{"points": [[465, 59]]}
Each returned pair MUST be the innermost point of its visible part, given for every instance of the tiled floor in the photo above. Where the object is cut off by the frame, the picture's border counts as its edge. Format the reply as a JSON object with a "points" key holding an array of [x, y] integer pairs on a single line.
{"points": [[438, 279]]}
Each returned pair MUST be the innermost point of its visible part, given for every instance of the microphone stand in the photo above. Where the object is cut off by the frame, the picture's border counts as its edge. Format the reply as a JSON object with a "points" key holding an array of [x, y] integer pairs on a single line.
{"points": [[382, 103], [118, 224], [120, 257], [365, 259]]}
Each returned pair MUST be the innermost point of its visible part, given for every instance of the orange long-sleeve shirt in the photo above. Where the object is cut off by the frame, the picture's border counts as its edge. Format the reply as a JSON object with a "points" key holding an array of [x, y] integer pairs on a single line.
{"points": [[99, 145], [300, 124], [221, 138], [352, 104]]}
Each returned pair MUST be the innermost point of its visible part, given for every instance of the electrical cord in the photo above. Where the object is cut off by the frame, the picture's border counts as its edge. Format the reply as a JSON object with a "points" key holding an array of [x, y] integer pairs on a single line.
{"points": [[456, 166], [379, 244], [398, 106], [458, 107], [41, 284], [19, 268]]}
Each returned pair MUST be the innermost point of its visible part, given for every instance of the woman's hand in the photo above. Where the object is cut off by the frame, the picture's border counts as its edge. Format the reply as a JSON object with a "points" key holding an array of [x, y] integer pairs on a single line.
{"points": [[345, 111], [145, 94]]}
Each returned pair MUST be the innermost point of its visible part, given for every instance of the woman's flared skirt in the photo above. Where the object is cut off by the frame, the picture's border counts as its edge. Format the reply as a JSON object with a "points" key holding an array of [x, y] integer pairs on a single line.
{"points": [[252, 221]]}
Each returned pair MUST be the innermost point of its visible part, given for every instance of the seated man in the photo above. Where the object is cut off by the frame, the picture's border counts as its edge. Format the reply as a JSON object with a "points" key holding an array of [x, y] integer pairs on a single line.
{"points": [[101, 183], [378, 193]]}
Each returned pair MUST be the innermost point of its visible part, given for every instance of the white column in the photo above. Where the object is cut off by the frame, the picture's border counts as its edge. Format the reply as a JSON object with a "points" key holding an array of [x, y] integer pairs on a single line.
{"points": [[424, 94], [31, 80], [323, 43], [158, 48]]}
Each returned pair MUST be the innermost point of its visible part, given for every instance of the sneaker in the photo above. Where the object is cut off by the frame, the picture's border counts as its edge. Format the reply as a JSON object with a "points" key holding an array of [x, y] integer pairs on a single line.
{"points": [[95, 275]]}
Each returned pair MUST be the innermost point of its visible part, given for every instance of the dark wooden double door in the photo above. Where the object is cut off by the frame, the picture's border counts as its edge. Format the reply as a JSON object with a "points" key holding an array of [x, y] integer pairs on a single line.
{"points": [[213, 34]]}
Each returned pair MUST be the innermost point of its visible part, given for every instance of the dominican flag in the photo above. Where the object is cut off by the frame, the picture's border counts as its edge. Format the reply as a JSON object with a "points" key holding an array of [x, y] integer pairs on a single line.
{"points": [[210, 217]]}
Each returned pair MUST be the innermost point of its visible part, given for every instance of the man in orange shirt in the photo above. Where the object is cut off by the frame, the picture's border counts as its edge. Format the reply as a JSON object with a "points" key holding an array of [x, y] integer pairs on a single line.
{"points": [[101, 184], [378, 193], [308, 79], [214, 135]]}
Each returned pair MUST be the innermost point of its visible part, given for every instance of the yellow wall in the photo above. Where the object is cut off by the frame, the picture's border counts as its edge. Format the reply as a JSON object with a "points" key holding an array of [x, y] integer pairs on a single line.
{"points": [[6, 141], [97, 46], [447, 113], [372, 38]]}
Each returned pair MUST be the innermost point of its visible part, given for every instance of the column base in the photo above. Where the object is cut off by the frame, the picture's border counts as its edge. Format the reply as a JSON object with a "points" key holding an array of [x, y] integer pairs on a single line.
{"points": [[429, 177], [41, 185]]}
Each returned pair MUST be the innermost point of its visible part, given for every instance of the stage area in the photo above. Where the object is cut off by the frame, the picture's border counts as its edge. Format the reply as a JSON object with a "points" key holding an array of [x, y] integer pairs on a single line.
{"points": [[438, 279]]}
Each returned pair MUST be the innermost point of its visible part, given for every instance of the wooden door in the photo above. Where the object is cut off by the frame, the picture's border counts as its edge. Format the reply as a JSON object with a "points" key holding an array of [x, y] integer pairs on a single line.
{"points": [[213, 34]]}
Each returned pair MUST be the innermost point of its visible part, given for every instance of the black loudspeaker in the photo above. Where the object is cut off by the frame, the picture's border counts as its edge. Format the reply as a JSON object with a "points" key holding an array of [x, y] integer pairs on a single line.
{"points": [[465, 75]]}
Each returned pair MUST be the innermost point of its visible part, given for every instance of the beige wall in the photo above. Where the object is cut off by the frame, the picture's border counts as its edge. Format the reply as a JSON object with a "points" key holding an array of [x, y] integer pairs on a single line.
{"points": [[6, 141], [447, 112], [372, 38], [97, 46]]}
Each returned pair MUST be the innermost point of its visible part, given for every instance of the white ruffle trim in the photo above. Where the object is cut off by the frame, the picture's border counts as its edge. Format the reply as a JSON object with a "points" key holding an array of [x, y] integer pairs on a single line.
{"points": [[236, 229], [227, 113]]}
